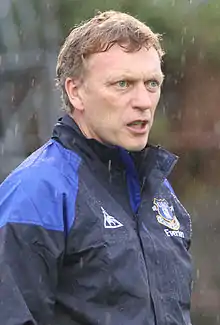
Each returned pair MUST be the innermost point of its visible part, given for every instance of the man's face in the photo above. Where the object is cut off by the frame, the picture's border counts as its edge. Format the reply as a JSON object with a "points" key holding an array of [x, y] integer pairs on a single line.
{"points": [[119, 96]]}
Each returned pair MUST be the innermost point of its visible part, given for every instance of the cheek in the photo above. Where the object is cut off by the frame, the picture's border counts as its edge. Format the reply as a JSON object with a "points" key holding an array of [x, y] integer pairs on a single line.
{"points": [[155, 100], [112, 109]]}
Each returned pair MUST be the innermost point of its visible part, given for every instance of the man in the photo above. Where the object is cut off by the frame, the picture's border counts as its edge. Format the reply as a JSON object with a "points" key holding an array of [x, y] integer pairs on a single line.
{"points": [[91, 231]]}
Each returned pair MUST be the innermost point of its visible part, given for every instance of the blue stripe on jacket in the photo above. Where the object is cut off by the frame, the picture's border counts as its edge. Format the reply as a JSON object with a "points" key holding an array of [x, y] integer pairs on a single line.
{"points": [[36, 192]]}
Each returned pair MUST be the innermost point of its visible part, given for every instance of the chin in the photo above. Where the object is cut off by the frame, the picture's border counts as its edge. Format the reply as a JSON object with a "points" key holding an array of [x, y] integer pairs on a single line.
{"points": [[135, 146], [136, 149]]}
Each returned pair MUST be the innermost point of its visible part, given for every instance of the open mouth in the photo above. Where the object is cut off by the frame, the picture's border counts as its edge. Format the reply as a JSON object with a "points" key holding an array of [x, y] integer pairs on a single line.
{"points": [[138, 124]]}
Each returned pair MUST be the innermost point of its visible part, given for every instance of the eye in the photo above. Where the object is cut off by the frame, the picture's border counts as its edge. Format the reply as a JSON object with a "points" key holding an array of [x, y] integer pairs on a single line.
{"points": [[123, 84], [153, 84]]}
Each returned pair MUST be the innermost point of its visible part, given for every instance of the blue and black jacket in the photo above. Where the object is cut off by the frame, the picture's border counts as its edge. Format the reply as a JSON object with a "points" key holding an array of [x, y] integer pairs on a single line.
{"points": [[93, 235]]}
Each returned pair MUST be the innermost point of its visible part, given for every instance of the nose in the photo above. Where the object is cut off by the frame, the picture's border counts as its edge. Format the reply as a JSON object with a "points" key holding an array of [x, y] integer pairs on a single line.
{"points": [[142, 99]]}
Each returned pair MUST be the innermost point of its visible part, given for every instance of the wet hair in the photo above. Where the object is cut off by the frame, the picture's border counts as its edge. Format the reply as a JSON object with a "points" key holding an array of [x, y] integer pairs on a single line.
{"points": [[98, 35]]}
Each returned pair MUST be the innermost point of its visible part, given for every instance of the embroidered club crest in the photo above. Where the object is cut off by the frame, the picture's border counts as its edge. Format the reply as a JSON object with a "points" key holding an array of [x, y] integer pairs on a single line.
{"points": [[165, 214]]}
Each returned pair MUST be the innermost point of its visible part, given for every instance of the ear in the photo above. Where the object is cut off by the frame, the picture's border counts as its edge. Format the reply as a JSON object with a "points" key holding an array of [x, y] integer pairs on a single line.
{"points": [[73, 91]]}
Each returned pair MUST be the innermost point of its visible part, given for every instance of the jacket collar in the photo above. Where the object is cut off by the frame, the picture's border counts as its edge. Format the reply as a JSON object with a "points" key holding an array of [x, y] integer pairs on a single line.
{"points": [[67, 132]]}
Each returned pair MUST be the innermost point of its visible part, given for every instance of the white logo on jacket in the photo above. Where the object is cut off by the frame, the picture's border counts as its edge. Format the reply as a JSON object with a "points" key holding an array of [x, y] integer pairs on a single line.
{"points": [[109, 221]]}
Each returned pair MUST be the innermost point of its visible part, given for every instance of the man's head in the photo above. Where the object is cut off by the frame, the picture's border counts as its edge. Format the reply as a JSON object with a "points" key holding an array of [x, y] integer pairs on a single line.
{"points": [[109, 72]]}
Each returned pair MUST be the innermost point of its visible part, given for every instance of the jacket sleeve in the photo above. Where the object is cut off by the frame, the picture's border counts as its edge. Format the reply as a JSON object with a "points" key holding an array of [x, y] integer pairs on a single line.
{"points": [[31, 248]]}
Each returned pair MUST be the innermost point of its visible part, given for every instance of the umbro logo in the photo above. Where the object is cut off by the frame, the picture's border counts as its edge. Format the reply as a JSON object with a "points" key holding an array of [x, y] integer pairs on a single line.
{"points": [[109, 221]]}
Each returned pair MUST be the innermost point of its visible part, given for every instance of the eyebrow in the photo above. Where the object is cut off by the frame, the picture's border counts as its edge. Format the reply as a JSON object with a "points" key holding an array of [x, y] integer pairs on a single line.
{"points": [[158, 76], [129, 76]]}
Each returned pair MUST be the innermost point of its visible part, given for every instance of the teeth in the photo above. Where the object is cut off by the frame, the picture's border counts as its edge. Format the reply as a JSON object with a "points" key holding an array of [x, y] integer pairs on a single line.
{"points": [[137, 123]]}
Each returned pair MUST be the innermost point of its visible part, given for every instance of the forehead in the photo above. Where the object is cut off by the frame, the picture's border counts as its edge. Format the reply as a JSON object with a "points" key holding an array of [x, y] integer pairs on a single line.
{"points": [[116, 61]]}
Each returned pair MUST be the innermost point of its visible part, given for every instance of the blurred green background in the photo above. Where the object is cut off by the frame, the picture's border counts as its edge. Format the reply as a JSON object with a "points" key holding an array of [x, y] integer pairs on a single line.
{"points": [[187, 120]]}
